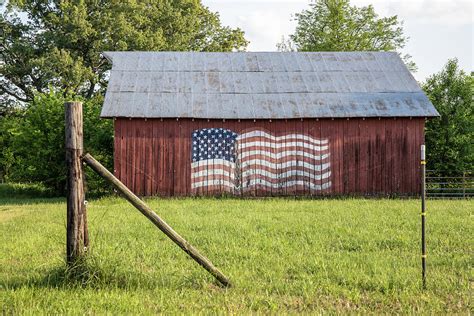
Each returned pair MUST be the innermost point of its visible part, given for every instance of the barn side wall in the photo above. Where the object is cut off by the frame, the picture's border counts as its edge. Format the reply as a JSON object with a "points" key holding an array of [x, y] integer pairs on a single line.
{"points": [[369, 157]]}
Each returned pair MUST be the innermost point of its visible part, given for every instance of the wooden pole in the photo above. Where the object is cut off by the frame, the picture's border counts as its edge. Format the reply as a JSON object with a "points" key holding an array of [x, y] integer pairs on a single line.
{"points": [[423, 216], [77, 239], [155, 219]]}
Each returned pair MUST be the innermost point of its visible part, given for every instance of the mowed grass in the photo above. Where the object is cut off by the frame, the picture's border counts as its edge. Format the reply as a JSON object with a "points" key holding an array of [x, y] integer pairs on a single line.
{"points": [[282, 255]]}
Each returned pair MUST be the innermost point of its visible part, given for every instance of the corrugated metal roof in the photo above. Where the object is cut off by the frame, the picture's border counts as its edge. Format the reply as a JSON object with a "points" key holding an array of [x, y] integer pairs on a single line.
{"points": [[262, 85]]}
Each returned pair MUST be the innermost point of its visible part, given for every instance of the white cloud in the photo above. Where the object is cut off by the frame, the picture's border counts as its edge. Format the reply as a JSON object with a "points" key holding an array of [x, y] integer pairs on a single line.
{"points": [[445, 12], [264, 29], [264, 21]]}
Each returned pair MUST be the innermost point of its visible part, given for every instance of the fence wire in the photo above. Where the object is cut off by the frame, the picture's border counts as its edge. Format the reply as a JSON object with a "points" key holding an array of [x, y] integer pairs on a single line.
{"points": [[460, 186]]}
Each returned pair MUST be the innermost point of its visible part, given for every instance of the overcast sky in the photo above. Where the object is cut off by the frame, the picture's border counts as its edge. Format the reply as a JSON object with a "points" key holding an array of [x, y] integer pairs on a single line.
{"points": [[438, 29]]}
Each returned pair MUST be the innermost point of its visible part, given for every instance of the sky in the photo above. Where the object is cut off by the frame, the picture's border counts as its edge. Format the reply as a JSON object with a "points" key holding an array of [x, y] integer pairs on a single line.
{"points": [[438, 29]]}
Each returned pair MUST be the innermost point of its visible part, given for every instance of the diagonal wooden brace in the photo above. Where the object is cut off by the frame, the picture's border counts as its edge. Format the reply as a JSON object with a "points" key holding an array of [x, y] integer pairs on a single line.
{"points": [[155, 219]]}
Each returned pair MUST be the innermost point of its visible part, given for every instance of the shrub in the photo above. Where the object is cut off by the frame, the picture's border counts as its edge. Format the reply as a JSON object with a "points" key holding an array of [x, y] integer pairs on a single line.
{"points": [[37, 143]]}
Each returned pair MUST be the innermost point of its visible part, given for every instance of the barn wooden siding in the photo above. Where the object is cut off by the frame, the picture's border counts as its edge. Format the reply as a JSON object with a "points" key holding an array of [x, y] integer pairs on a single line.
{"points": [[368, 156]]}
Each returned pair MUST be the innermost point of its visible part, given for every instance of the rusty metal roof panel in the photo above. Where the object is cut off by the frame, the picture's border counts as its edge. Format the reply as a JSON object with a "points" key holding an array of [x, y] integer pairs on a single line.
{"points": [[262, 85]]}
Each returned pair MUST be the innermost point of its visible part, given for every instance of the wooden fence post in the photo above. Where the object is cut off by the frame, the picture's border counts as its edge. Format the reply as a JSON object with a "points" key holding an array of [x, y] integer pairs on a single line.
{"points": [[77, 239]]}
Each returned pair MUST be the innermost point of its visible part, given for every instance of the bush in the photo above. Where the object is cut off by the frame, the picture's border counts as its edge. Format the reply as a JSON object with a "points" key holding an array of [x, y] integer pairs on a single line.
{"points": [[36, 143], [449, 137]]}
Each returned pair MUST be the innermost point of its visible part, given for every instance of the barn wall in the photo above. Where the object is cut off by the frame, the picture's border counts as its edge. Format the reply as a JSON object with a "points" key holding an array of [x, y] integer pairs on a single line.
{"points": [[367, 156]]}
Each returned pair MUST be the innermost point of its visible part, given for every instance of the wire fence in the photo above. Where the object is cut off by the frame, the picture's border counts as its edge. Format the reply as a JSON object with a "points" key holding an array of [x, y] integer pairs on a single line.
{"points": [[459, 186]]}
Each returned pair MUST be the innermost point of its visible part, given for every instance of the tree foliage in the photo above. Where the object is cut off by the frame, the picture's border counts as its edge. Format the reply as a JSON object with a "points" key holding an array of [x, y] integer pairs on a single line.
{"points": [[50, 53], [7, 122], [35, 151], [59, 43], [335, 25], [450, 138]]}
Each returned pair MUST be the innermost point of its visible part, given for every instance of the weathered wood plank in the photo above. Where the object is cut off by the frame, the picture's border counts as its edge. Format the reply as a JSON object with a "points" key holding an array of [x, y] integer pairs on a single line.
{"points": [[370, 155], [77, 239]]}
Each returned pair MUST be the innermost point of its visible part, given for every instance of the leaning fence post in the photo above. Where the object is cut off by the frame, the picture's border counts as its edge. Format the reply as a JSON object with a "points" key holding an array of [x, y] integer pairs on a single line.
{"points": [[156, 220], [76, 235], [423, 215]]}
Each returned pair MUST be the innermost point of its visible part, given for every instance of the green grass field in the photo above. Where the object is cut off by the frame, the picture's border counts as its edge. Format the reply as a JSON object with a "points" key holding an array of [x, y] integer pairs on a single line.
{"points": [[282, 255]]}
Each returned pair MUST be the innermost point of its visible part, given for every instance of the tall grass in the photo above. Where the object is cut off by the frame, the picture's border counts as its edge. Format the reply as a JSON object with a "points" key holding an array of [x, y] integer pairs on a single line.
{"points": [[282, 255]]}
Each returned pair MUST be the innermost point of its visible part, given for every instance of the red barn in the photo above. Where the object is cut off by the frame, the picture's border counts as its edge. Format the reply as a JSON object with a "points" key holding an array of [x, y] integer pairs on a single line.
{"points": [[331, 123]]}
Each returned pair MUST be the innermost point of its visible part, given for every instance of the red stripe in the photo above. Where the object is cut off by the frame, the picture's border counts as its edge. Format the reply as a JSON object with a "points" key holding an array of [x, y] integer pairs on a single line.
{"points": [[281, 170], [283, 149], [286, 179], [212, 167], [212, 177], [308, 160], [281, 141]]}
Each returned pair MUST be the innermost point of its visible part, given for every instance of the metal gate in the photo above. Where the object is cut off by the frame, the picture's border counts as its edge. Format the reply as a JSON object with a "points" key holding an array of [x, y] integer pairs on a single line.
{"points": [[458, 186]]}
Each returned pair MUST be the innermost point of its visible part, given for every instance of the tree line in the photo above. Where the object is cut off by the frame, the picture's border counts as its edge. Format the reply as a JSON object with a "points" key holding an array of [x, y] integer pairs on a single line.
{"points": [[50, 53]]}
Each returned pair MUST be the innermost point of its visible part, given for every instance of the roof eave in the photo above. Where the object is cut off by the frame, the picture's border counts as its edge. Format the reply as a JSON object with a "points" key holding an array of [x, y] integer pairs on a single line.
{"points": [[108, 56]]}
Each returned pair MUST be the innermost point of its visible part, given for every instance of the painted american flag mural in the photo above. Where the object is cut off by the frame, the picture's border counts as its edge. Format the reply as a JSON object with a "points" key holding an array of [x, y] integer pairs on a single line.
{"points": [[225, 161]]}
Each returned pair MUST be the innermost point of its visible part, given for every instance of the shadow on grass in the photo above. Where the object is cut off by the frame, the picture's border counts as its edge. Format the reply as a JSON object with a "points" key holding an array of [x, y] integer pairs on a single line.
{"points": [[80, 275], [31, 193], [83, 273], [27, 201], [88, 274]]}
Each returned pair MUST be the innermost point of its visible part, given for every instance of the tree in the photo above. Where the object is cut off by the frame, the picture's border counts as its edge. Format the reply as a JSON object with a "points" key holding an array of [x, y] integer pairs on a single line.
{"points": [[450, 138], [7, 123], [335, 25], [35, 148], [58, 45]]}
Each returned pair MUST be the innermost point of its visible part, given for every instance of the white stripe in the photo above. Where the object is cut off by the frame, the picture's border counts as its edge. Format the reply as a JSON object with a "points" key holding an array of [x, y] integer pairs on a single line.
{"points": [[287, 184], [211, 172], [291, 163], [281, 154], [212, 182], [210, 162], [282, 145], [283, 175], [279, 138]]}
